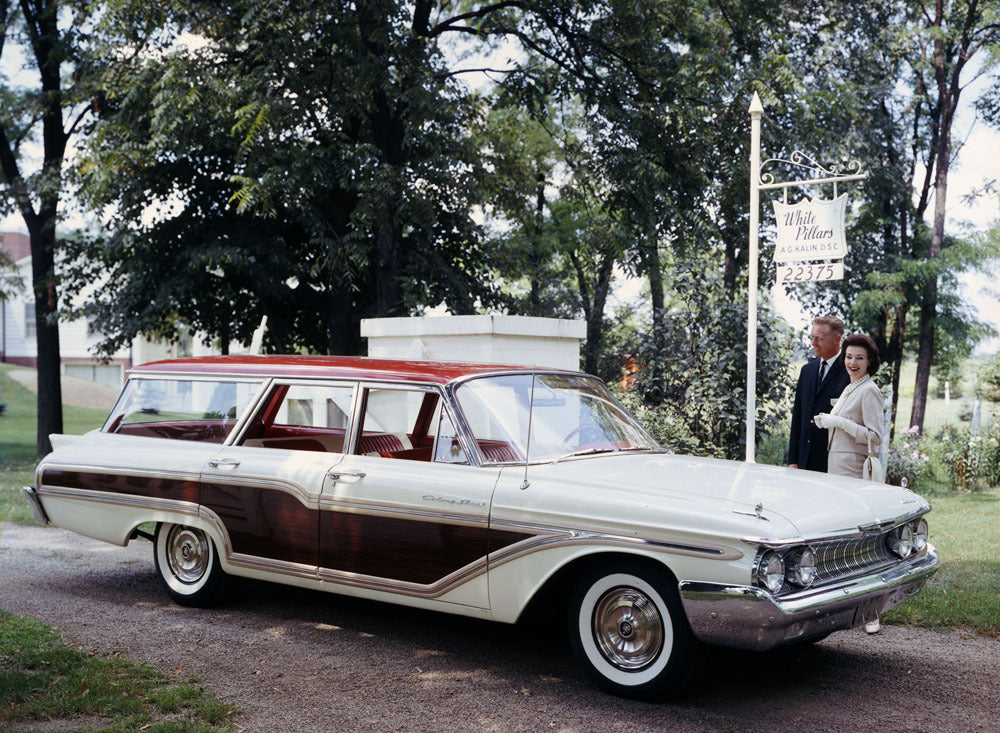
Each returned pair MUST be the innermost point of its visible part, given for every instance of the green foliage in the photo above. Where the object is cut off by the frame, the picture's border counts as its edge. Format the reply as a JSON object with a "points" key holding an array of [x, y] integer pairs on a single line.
{"points": [[348, 194], [972, 459], [910, 459], [988, 376], [666, 424], [11, 282], [44, 679], [700, 371]]}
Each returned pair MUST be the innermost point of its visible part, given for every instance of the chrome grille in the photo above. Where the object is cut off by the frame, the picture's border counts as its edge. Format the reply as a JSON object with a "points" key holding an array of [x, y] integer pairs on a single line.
{"points": [[838, 559]]}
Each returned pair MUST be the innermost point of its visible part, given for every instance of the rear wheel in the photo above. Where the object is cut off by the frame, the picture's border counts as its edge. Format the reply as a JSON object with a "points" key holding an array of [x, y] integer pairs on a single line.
{"points": [[629, 631], [188, 564]]}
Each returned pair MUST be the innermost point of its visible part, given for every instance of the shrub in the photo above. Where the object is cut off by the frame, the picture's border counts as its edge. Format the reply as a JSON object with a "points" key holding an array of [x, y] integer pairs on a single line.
{"points": [[973, 461], [908, 460], [666, 425], [989, 464]]}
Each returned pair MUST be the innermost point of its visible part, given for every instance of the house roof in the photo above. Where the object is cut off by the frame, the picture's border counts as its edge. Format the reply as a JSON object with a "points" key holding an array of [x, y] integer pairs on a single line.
{"points": [[17, 246], [346, 367]]}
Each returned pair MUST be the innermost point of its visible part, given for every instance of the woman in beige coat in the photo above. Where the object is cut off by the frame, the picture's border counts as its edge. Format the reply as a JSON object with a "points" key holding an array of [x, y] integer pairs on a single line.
{"points": [[856, 420]]}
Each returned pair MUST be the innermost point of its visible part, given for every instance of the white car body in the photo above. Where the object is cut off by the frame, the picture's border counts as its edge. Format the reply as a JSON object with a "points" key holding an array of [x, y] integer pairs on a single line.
{"points": [[657, 553]]}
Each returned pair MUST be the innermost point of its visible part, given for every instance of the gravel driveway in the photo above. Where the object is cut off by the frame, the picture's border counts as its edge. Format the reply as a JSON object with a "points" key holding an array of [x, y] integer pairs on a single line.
{"points": [[296, 660]]}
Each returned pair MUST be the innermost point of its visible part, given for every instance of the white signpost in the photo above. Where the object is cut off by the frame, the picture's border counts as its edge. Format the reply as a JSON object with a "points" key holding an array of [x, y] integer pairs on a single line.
{"points": [[810, 245]]}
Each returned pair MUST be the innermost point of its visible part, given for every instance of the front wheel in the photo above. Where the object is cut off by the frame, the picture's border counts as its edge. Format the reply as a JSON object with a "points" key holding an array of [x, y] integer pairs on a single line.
{"points": [[629, 632], [188, 564]]}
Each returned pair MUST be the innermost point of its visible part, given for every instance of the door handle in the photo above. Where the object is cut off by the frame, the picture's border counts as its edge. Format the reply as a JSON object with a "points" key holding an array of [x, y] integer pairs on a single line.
{"points": [[223, 463], [336, 475]]}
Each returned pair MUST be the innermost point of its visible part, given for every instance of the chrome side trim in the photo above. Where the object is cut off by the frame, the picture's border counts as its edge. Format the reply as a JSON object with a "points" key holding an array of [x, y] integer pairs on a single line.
{"points": [[282, 567], [307, 498], [584, 535], [118, 471], [546, 542], [398, 511], [131, 500], [434, 590]]}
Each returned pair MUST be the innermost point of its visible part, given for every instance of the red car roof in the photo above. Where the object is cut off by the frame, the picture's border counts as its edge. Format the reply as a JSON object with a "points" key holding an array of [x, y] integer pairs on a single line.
{"points": [[351, 367]]}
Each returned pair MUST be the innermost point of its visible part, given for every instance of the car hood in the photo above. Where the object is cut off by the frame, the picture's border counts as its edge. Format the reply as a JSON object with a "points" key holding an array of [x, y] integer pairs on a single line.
{"points": [[792, 502]]}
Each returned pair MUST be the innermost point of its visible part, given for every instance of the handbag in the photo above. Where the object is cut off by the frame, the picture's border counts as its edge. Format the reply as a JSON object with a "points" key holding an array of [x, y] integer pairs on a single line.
{"points": [[872, 469]]}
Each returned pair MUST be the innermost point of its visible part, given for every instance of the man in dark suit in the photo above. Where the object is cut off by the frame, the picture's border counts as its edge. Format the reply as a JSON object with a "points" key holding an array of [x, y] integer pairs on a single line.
{"points": [[821, 380]]}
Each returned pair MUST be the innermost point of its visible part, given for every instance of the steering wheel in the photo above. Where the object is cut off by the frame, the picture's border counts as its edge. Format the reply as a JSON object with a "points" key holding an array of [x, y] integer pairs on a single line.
{"points": [[587, 433]]}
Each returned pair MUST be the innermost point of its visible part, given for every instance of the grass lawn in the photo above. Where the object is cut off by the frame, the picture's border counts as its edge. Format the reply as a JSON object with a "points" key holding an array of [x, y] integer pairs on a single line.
{"points": [[42, 680], [45, 682], [939, 413], [965, 592], [18, 425]]}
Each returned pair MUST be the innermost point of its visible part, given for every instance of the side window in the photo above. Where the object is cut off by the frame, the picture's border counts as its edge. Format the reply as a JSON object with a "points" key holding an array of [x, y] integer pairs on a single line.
{"points": [[395, 423], [447, 447], [180, 409], [316, 406], [312, 417]]}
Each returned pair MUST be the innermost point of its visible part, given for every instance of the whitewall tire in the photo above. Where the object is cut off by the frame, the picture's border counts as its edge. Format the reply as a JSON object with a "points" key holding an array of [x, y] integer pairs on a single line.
{"points": [[629, 631], [188, 565]]}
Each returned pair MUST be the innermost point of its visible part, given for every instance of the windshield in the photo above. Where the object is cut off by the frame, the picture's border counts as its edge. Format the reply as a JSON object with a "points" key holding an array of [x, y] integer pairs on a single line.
{"points": [[572, 414]]}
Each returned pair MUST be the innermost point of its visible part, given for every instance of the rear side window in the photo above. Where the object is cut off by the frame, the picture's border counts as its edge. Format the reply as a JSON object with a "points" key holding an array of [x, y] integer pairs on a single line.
{"points": [[181, 409]]}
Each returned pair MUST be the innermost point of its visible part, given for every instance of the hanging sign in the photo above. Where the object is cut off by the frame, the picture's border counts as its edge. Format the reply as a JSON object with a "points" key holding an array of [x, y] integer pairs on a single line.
{"points": [[812, 229], [804, 272]]}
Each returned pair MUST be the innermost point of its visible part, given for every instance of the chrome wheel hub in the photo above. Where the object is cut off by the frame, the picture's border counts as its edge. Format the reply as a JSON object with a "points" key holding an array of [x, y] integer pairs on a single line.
{"points": [[628, 628], [187, 553]]}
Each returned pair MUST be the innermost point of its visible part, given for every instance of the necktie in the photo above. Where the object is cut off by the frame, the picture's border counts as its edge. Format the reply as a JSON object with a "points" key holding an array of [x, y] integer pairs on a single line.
{"points": [[822, 373]]}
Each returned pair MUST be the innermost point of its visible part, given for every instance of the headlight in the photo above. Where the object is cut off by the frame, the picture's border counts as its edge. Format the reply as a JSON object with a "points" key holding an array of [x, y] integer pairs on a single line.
{"points": [[901, 540], [771, 571], [802, 566], [919, 535]]}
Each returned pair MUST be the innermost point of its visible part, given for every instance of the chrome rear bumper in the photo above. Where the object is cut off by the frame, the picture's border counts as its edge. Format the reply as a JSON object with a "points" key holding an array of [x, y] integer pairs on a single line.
{"points": [[36, 505], [746, 617]]}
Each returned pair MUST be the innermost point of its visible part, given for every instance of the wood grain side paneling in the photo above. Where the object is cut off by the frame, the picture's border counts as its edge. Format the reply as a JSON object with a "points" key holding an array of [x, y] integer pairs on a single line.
{"points": [[402, 549], [157, 487], [265, 522]]}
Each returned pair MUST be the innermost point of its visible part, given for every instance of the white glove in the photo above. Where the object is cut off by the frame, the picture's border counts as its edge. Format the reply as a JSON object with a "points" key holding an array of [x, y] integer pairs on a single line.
{"points": [[829, 422]]}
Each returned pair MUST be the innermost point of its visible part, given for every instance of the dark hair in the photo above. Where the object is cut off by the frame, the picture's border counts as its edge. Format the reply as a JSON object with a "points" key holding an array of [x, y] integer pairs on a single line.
{"points": [[832, 322], [860, 339]]}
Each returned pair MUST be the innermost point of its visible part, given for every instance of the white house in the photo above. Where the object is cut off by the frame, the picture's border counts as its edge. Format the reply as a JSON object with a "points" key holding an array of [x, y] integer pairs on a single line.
{"points": [[76, 340]]}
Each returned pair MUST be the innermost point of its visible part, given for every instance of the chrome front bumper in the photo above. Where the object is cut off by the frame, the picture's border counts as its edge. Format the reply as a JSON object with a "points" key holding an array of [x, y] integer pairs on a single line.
{"points": [[36, 505], [745, 617]]}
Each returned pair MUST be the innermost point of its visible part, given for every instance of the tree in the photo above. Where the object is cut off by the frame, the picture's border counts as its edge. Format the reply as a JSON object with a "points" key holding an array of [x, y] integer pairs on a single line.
{"points": [[52, 32], [949, 36], [324, 146], [564, 245], [349, 125]]}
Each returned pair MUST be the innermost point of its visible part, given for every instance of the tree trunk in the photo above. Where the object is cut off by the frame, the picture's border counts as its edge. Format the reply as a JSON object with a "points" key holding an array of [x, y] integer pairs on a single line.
{"points": [[41, 20], [388, 289], [948, 90], [651, 262], [593, 306], [896, 355], [42, 235], [535, 255]]}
